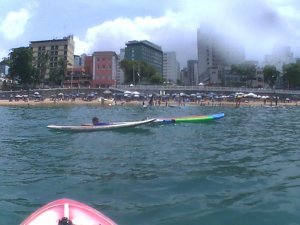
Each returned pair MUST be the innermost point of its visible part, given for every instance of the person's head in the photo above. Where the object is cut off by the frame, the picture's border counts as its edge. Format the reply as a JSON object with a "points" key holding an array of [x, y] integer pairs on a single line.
{"points": [[95, 120]]}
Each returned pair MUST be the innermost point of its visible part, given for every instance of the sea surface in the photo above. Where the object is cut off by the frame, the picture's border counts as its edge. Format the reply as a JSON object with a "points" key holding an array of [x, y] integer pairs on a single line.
{"points": [[242, 169]]}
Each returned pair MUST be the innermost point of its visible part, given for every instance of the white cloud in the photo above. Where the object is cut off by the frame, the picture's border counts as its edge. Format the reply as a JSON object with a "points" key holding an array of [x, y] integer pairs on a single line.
{"points": [[113, 34], [258, 25], [14, 23]]}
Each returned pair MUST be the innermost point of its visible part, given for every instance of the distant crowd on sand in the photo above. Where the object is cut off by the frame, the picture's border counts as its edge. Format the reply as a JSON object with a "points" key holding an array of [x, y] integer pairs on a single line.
{"points": [[151, 101]]}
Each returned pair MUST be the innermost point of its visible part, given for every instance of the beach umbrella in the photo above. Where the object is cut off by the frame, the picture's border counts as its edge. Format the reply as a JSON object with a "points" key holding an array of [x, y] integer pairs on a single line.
{"points": [[36, 93], [252, 95], [107, 92]]}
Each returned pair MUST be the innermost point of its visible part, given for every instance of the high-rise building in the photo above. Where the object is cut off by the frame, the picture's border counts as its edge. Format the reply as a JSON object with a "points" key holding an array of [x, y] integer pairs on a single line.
{"points": [[192, 71], [145, 51], [205, 44], [120, 72], [215, 51], [171, 72], [56, 49], [184, 77]]}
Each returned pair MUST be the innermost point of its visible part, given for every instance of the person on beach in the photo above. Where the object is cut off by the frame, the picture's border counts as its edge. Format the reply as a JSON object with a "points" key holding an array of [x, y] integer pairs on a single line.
{"points": [[151, 100]]}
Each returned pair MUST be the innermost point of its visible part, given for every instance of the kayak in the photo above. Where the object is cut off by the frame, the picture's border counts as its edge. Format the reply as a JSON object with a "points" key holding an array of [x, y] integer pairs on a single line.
{"points": [[104, 126], [190, 119], [67, 212]]}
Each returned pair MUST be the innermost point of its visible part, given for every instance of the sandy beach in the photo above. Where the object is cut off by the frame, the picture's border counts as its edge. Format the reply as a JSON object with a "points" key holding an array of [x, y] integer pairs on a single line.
{"points": [[111, 102]]}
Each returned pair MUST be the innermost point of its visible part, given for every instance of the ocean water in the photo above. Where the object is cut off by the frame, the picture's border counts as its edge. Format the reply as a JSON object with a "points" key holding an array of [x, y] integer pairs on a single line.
{"points": [[242, 169]]}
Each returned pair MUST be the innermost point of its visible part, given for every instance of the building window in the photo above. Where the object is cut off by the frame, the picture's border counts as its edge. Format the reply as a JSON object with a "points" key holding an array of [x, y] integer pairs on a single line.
{"points": [[98, 59], [65, 52], [56, 53], [52, 47], [66, 47]]}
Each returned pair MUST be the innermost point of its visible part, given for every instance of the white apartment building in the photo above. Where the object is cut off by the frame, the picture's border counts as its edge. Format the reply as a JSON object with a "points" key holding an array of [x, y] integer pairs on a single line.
{"points": [[56, 49]]}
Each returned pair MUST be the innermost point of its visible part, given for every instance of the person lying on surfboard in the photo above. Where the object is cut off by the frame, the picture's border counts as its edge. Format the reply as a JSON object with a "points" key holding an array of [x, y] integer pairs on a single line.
{"points": [[96, 122]]}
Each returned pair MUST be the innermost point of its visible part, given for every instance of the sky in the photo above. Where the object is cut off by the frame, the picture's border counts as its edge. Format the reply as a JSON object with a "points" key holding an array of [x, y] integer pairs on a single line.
{"points": [[99, 25]]}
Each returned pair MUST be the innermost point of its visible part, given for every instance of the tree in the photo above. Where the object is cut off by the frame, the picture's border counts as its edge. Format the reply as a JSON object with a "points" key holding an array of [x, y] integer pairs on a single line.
{"points": [[270, 74], [291, 75], [156, 79], [41, 65], [57, 74], [54, 76], [135, 70], [62, 68], [245, 70], [20, 63], [5, 61]]}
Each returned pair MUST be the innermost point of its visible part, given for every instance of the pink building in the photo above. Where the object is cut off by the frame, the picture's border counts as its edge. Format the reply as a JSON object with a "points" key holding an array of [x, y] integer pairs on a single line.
{"points": [[104, 69]]}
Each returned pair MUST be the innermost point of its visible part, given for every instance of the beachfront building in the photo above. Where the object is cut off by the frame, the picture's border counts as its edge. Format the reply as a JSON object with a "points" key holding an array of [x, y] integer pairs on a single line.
{"points": [[145, 51], [215, 52], [96, 70], [171, 71], [77, 77], [79, 60], [104, 68], [56, 51]]}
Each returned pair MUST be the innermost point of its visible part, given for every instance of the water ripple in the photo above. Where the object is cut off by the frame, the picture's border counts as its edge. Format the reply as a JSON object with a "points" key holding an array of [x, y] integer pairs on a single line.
{"points": [[242, 169]]}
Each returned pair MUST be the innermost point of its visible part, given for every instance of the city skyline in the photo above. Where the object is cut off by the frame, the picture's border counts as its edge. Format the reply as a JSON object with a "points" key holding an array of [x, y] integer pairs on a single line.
{"points": [[259, 25]]}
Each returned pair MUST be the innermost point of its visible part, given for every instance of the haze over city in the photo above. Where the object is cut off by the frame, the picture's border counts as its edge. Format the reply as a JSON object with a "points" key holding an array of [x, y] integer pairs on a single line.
{"points": [[258, 25]]}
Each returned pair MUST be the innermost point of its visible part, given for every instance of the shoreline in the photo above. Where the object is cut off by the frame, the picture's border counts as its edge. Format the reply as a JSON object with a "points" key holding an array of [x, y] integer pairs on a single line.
{"points": [[111, 102]]}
